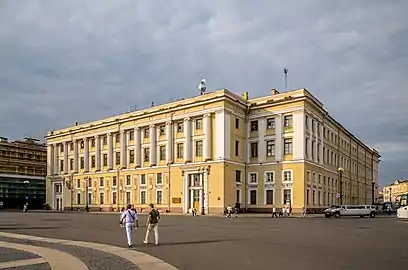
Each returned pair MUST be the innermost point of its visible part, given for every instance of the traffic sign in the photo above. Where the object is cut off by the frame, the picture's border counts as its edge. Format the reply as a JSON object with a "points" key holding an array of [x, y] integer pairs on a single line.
{"points": [[337, 195]]}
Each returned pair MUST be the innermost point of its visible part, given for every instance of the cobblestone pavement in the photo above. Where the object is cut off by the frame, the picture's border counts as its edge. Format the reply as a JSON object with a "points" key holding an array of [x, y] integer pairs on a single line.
{"points": [[221, 243]]}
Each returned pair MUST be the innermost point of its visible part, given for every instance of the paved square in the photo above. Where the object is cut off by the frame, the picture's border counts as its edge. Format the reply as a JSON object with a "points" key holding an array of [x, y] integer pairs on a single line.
{"points": [[238, 243]]}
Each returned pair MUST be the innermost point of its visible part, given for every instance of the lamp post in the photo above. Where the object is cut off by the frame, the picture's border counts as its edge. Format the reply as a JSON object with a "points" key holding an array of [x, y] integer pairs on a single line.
{"points": [[372, 192], [341, 170], [71, 189], [86, 194], [26, 183], [390, 194]]}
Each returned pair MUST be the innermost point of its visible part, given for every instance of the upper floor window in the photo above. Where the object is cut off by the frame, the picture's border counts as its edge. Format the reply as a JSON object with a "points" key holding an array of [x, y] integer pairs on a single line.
{"points": [[146, 154], [199, 148], [104, 140], [162, 130], [128, 180], [180, 150], [288, 146], [270, 148], [159, 178], [143, 179], [101, 183], [199, 123], [180, 127], [287, 176], [270, 123], [269, 177], [238, 176], [237, 123], [131, 135], [287, 121], [117, 138], [254, 150], [253, 178], [254, 125], [146, 133]]}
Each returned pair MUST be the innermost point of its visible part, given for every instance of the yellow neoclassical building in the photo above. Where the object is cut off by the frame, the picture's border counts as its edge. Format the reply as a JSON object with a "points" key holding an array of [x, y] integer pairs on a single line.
{"points": [[393, 192], [210, 151]]}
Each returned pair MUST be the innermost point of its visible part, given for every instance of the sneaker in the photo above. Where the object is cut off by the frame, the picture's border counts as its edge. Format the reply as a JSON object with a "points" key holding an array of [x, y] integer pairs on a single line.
{"points": [[145, 242], [130, 246], [157, 244]]}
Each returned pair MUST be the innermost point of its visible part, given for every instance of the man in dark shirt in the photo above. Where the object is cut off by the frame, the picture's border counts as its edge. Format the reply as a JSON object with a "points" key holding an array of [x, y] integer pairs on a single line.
{"points": [[152, 224]]}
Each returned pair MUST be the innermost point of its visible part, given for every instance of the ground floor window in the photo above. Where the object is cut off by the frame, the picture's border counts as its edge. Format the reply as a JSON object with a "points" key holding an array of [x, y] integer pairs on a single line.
{"points": [[128, 197], [114, 198], [78, 198], [101, 198], [159, 197], [269, 196], [252, 197], [238, 196], [287, 196], [143, 197], [314, 197], [307, 197], [89, 198]]}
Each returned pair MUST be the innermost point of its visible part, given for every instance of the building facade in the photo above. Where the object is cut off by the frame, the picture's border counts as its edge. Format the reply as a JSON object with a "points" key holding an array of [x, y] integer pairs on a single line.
{"points": [[211, 151], [393, 192], [23, 168]]}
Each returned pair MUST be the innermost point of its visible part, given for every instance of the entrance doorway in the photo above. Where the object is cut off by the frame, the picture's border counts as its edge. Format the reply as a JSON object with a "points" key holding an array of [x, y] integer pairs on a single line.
{"points": [[196, 199]]}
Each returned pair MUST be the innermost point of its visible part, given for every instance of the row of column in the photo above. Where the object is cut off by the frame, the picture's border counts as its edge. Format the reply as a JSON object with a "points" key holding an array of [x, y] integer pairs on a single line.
{"points": [[262, 142], [317, 133], [53, 151]]}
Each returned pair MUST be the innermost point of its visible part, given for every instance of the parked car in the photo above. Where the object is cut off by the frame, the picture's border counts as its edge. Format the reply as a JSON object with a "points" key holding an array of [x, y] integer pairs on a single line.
{"points": [[1, 205], [350, 210]]}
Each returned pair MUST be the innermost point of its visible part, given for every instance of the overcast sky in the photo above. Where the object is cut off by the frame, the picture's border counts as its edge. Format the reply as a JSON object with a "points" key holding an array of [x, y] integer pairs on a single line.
{"points": [[66, 61]]}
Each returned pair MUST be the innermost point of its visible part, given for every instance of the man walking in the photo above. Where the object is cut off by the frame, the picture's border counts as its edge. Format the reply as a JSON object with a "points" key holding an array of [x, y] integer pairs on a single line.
{"points": [[274, 212], [152, 224], [130, 220]]}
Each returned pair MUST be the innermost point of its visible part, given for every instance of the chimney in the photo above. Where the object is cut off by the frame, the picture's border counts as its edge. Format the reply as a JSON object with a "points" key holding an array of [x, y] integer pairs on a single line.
{"points": [[274, 92]]}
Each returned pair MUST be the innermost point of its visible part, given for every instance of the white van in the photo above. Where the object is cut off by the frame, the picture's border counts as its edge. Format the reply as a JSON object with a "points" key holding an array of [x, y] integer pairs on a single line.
{"points": [[350, 210]]}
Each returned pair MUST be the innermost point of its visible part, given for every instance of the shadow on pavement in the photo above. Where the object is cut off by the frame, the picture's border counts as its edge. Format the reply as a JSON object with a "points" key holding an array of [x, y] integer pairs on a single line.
{"points": [[196, 242], [16, 228]]}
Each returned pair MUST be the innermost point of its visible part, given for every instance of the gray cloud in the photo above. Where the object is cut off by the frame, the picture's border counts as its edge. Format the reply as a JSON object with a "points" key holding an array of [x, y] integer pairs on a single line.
{"points": [[67, 61]]}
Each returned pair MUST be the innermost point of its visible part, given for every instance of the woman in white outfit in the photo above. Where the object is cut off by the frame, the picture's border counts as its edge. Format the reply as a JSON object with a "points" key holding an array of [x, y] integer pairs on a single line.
{"points": [[130, 220]]}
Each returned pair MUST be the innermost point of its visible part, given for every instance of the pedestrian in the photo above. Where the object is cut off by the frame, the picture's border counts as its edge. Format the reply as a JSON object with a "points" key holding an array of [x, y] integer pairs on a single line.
{"points": [[152, 223], [120, 217], [229, 211], [304, 214], [274, 212], [130, 220]]}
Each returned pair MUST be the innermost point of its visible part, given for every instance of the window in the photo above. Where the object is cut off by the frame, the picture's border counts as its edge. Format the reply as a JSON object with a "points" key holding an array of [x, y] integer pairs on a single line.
{"points": [[101, 183], [307, 197], [162, 130], [180, 127], [253, 178], [82, 144], [307, 122], [199, 148], [132, 156], [287, 176], [270, 123], [117, 158], [307, 147], [238, 196], [269, 177], [180, 150], [93, 142], [159, 179], [128, 180], [89, 198], [143, 179], [238, 176], [270, 148], [128, 197], [287, 121], [254, 125], [117, 138], [314, 177], [101, 198], [146, 133], [62, 165], [237, 123], [82, 162], [143, 197], [71, 146], [320, 178], [71, 164], [114, 183], [104, 140], [313, 125], [92, 161], [114, 197], [131, 135], [287, 196], [308, 176], [314, 197], [162, 152], [78, 198], [252, 197], [254, 150], [146, 154], [269, 196], [313, 149], [199, 123], [159, 197], [236, 148], [288, 146], [105, 160], [78, 183]]}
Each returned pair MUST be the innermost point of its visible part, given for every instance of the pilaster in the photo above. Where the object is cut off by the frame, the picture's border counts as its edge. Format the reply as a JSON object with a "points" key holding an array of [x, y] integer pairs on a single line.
{"points": [[188, 140], [65, 145], [123, 152], [109, 142], [279, 141], [86, 154], [169, 146], [299, 135], [75, 142], [207, 138], [50, 163], [138, 150], [56, 159], [153, 150]]}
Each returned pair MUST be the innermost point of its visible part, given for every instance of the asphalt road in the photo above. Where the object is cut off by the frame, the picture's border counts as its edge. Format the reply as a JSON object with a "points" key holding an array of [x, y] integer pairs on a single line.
{"points": [[238, 243]]}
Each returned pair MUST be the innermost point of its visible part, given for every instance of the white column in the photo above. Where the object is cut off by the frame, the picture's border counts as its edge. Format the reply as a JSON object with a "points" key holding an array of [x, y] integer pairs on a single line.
{"points": [[207, 138], [50, 161], [123, 149], [321, 143], [261, 143], [75, 142], [98, 166], [65, 145], [316, 150], [56, 159], [279, 141], [138, 150], [169, 138], [153, 150], [109, 142], [299, 135], [206, 201], [223, 135], [86, 154], [188, 143], [185, 193]]}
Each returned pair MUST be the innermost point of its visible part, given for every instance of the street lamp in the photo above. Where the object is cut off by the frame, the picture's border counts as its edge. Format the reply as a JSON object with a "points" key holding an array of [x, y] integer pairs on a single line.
{"points": [[372, 192], [26, 183], [390, 194], [341, 170], [86, 194]]}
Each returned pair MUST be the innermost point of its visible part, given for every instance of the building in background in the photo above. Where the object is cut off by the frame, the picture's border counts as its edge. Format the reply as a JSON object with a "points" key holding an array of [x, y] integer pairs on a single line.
{"points": [[393, 192], [210, 151], [22, 173]]}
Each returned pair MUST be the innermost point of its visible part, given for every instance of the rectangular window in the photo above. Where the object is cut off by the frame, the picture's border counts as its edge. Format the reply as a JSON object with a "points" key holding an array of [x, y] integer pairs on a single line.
{"points": [[199, 124], [101, 182], [313, 149], [128, 180], [117, 138], [82, 163], [287, 121], [269, 177], [253, 178], [114, 197], [131, 135], [82, 144], [314, 197], [252, 197], [145, 133], [238, 176], [254, 150], [101, 198], [90, 198], [62, 165], [104, 140], [270, 148], [287, 195], [159, 197], [132, 156], [288, 146], [236, 148], [162, 130], [105, 160], [146, 154], [238, 196], [143, 179], [287, 176], [93, 162], [71, 164], [114, 183], [307, 147], [270, 123], [78, 183], [180, 127], [199, 148], [269, 196], [93, 143], [307, 197], [237, 123], [308, 176], [159, 179], [180, 150], [78, 198], [162, 152], [143, 197], [254, 126], [71, 146], [128, 197]]}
